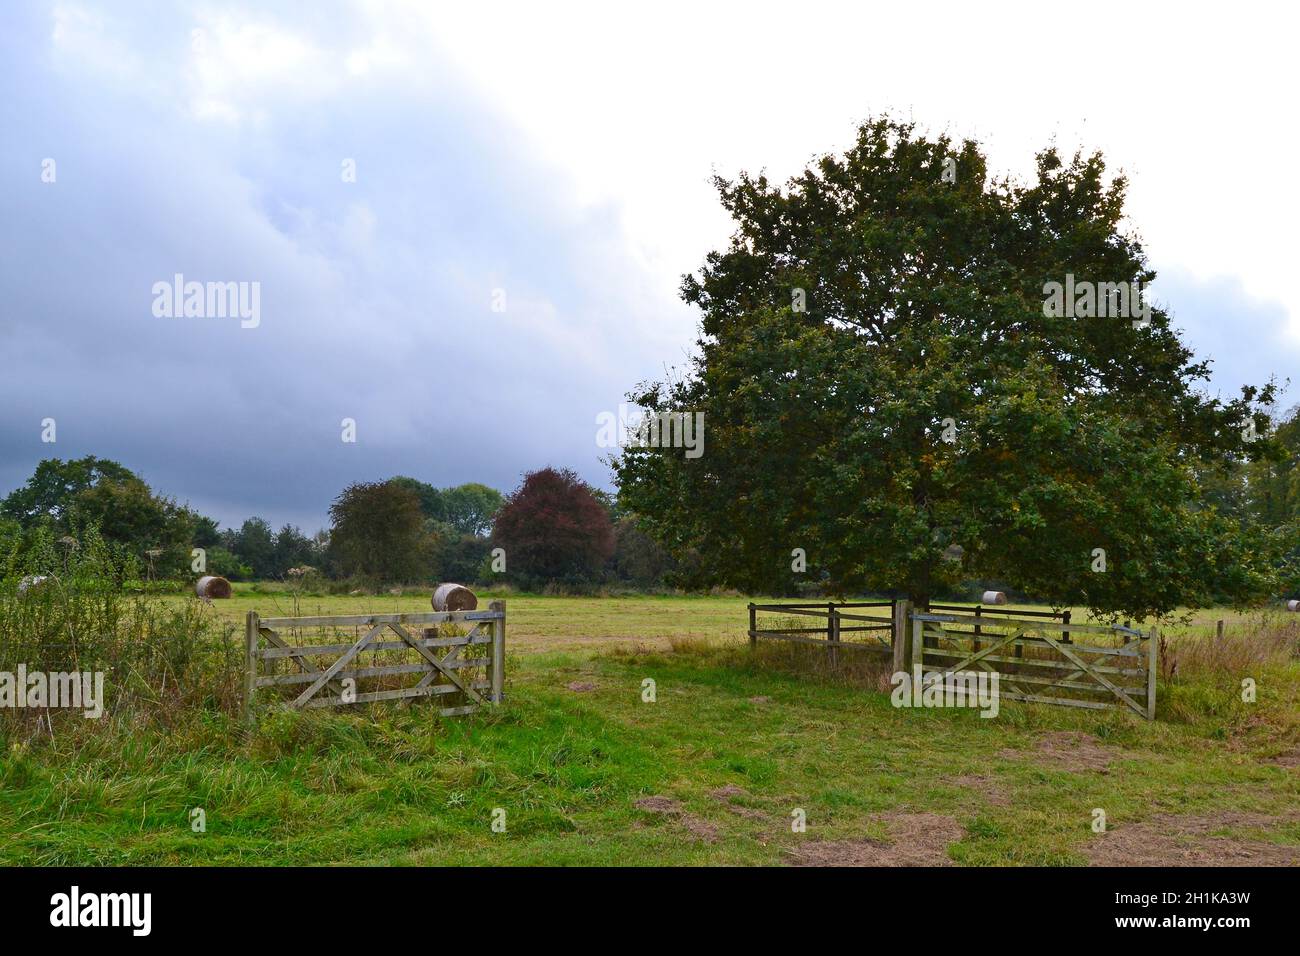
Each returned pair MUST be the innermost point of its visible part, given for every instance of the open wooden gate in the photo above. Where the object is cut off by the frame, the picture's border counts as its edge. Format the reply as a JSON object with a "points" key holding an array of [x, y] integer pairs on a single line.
{"points": [[464, 670], [1042, 661]]}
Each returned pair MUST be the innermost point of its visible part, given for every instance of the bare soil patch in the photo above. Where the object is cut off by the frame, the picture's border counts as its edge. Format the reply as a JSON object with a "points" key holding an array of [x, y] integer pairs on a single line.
{"points": [[915, 839], [1170, 840], [659, 805], [986, 786], [1289, 758], [725, 794], [1071, 750], [698, 827], [581, 686]]}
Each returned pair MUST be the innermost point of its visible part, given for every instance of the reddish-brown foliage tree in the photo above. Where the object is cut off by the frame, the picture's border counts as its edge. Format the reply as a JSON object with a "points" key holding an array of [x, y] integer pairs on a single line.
{"points": [[553, 530]]}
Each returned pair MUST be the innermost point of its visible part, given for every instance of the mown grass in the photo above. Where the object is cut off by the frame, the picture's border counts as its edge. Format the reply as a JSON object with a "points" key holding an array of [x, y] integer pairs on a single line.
{"points": [[396, 785]]}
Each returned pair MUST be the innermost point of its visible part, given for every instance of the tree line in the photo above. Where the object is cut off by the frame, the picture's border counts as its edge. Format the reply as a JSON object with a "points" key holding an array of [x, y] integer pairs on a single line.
{"points": [[554, 530]]}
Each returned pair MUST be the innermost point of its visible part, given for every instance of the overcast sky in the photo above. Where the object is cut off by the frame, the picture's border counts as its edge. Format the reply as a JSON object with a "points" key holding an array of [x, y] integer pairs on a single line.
{"points": [[561, 155]]}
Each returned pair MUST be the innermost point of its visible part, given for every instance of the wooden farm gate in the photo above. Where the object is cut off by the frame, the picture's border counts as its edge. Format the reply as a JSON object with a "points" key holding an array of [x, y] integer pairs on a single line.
{"points": [[1102, 667], [462, 670]]}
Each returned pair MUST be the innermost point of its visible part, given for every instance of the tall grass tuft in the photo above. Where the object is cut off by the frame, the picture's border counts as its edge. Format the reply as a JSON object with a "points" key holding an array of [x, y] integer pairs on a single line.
{"points": [[91, 612], [1262, 640]]}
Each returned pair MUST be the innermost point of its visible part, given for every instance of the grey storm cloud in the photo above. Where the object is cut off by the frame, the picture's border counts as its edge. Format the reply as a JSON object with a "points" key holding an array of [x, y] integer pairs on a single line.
{"points": [[375, 296]]}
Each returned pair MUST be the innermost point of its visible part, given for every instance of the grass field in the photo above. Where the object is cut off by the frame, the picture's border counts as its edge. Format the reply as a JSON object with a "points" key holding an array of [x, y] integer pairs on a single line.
{"points": [[712, 772]]}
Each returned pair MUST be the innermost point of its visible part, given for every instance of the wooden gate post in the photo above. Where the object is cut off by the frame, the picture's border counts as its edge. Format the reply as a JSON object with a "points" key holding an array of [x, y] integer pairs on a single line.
{"points": [[753, 626], [902, 635], [498, 652], [252, 629], [1152, 652], [833, 636]]}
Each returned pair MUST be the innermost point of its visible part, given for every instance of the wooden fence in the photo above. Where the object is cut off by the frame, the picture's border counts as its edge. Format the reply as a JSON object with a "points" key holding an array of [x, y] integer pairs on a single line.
{"points": [[1041, 661], [462, 670], [830, 635]]}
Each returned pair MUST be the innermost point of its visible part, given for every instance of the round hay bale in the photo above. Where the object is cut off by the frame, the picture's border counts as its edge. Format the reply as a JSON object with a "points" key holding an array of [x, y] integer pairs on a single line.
{"points": [[1293, 605], [994, 597], [210, 586], [32, 581], [454, 597]]}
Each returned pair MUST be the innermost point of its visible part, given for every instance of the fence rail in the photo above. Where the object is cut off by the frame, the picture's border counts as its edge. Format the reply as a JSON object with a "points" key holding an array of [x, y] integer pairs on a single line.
{"points": [[831, 634], [462, 670]]}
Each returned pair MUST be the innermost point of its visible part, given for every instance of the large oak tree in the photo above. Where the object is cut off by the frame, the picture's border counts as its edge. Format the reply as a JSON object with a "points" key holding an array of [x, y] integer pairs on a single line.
{"points": [[884, 291]]}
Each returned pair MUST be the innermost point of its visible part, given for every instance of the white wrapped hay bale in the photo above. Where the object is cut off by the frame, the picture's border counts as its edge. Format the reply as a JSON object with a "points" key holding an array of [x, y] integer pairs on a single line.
{"points": [[210, 586], [994, 597], [1293, 605], [454, 597]]}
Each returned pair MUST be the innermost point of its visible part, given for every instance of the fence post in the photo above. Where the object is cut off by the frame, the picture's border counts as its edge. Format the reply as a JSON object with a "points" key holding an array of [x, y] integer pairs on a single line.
{"points": [[498, 652], [252, 629], [833, 636], [1152, 652], [1218, 633], [753, 626], [1065, 635], [978, 629], [902, 635]]}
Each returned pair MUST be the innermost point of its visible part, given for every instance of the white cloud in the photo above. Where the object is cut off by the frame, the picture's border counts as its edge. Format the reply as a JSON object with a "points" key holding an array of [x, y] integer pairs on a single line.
{"points": [[641, 103]]}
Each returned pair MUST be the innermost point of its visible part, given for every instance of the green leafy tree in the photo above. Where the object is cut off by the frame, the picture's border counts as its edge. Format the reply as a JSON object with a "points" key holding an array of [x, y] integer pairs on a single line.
{"points": [[292, 549], [471, 508], [379, 532], [221, 562], [637, 558], [432, 503], [881, 387], [207, 534], [55, 485], [254, 545], [128, 513], [67, 497], [462, 557]]}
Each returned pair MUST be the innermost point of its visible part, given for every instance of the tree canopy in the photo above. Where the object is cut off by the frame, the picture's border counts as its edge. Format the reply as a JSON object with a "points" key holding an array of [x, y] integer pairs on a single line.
{"points": [[69, 495], [884, 387], [378, 532]]}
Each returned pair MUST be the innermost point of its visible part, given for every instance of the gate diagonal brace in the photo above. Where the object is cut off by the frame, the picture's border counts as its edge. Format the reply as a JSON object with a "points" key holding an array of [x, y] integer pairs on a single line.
{"points": [[452, 655], [279, 641], [433, 659], [1098, 677], [337, 666], [978, 657]]}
